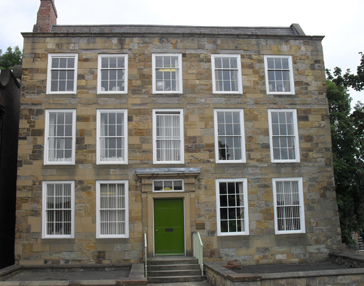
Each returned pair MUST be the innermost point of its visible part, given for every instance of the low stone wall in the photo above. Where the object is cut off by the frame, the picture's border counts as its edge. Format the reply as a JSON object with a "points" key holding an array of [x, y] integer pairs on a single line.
{"points": [[135, 277], [217, 275], [348, 260]]}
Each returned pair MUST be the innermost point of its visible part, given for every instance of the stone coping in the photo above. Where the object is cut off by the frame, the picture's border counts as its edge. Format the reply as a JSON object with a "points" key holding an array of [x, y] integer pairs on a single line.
{"points": [[136, 275], [355, 257]]}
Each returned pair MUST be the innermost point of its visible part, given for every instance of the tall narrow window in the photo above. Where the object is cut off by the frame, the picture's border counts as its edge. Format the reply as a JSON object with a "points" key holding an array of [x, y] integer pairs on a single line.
{"points": [[232, 207], [62, 73], [167, 73], [283, 135], [288, 205], [112, 139], [168, 136], [226, 74], [112, 74], [112, 213], [229, 136], [58, 209], [60, 130], [279, 74]]}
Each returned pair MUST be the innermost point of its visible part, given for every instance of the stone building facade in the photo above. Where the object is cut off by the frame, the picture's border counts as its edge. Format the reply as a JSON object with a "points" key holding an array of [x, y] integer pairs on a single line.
{"points": [[167, 130]]}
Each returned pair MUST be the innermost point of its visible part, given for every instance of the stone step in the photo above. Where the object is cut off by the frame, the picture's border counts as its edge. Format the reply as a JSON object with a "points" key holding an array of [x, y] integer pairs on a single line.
{"points": [[173, 267], [167, 260], [174, 279], [185, 272]]}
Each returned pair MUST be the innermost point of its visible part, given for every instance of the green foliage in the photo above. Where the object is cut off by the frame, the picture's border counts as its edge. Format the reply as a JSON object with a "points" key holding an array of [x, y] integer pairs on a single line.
{"points": [[10, 58], [356, 81], [347, 130]]}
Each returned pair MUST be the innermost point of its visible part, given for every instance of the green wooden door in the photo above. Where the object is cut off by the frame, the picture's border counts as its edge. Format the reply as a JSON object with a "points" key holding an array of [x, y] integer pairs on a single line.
{"points": [[168, 227]]}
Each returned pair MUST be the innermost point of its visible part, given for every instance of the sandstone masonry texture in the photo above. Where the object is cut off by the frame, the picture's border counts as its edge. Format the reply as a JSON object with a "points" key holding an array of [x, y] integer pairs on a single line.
{"points": [[196, 45]]}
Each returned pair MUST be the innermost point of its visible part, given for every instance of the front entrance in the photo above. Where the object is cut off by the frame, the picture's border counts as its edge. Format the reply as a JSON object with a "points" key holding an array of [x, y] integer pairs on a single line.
{"points": [[169, 227]]}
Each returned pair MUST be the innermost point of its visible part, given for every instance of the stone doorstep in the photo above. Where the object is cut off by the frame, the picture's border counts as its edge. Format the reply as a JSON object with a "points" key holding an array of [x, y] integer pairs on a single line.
{"points": [[136, 275]]}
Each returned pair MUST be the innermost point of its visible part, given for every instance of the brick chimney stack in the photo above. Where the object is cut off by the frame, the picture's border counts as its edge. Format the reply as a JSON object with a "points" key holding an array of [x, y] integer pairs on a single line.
{"points": [[46, 17]]}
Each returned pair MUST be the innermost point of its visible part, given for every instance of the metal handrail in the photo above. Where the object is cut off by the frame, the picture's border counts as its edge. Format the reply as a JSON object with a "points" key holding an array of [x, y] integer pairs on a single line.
{"points": [[198, 249], [145, 256]]}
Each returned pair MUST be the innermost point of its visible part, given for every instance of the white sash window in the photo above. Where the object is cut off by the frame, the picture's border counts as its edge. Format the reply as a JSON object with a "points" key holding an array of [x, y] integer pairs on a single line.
{"points": [[168, 136], [288, 205], [60, 130], [112, 209]]}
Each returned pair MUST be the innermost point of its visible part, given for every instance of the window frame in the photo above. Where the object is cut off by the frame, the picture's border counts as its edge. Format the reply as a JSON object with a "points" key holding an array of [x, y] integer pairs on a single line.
{"points": [[301, 205], [49, 73], [180, 76], [172, 190], [216, 135], [181, 138], [98, 137], [291, 78], [46, 135], [239, 79], [99, 77], [98, 209], [295, 135], [244, 182], [44, 210]]}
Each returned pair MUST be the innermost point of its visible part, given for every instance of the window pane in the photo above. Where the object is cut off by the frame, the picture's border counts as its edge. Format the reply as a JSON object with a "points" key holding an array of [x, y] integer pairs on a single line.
{"points": [[233, 63], [158, 185], [112, 62], [121, 62], [55, 62], [63, 63], [159, 61], [71, 63]]}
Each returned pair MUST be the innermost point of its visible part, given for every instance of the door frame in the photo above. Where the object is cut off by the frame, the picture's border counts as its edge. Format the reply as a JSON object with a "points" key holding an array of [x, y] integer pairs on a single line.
{"points": [[184, 222], [189, 214], [146, 176]]}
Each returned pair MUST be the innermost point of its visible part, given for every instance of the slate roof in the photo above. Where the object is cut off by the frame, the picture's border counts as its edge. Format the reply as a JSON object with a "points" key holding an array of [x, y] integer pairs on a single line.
{"points": [[293, 30]]}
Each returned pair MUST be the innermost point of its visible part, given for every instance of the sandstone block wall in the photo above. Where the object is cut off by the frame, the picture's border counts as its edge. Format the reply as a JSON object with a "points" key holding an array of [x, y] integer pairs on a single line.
{"points": [[198, 102]]}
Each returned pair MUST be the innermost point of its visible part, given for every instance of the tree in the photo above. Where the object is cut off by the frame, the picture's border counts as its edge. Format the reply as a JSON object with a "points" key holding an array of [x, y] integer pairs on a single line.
{"points": [[347, 131], [10, 58], [356, 81]]}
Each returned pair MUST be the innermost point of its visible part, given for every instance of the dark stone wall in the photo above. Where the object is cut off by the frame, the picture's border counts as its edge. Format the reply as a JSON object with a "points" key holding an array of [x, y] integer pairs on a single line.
{"points": [[9, 99]]}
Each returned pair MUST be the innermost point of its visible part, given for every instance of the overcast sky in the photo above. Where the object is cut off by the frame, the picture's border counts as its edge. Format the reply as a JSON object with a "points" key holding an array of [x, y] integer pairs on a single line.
{"points": [[341, 22]]}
